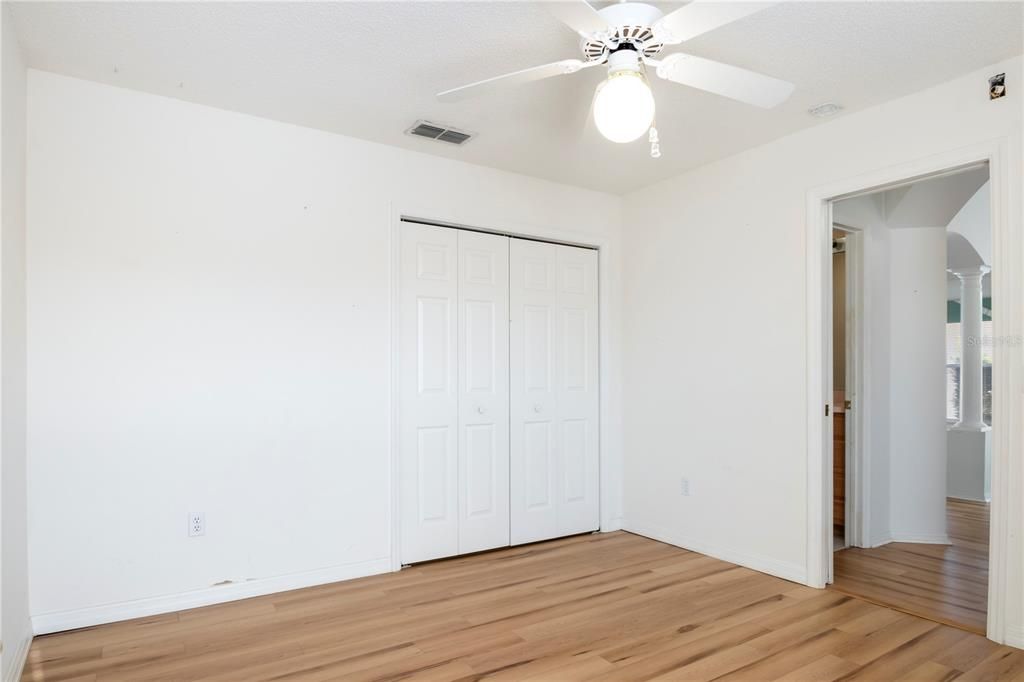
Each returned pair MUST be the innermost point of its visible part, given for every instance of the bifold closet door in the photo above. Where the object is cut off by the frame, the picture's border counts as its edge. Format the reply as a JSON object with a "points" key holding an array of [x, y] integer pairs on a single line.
{"points": [[453, 385], [428, 403], [483, 391], [554, 380]]}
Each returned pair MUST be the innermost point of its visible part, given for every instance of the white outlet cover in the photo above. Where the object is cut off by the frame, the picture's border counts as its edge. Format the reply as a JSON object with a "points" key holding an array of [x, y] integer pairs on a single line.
{"points": [[196, 524]]}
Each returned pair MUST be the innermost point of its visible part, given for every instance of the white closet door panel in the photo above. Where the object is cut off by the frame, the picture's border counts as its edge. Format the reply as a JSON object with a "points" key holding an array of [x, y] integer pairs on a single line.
{"points": [[483, 391], [554, 369], [533, 362], [428, 388], [577, 390]]}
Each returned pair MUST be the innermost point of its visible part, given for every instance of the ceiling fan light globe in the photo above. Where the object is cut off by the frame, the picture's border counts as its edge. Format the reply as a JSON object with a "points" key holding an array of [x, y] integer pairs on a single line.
{"points": [[623, 107]]}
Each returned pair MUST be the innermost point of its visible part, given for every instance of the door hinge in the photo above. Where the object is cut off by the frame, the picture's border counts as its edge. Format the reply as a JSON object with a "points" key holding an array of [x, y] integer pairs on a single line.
{"points": [[826, 410]]}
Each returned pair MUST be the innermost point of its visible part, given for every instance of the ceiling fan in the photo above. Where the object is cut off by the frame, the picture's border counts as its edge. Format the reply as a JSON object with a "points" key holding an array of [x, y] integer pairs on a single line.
{"points": [[627, 37]]}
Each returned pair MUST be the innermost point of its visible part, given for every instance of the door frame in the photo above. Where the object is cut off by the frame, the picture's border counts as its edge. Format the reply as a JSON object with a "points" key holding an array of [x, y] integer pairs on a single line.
{"points": [[857, 459], [1008, 257], [609, 453]]}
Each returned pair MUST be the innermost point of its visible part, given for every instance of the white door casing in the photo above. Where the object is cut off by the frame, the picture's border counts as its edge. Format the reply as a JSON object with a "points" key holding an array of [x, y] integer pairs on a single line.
{"points": [[856, 466], [554, 387], [428, 392], [1004, 178], [483, 391]]}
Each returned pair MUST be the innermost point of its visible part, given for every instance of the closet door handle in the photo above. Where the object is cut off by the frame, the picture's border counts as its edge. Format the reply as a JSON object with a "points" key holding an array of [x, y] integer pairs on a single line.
{"points": [[538, 408], [480, 409]]}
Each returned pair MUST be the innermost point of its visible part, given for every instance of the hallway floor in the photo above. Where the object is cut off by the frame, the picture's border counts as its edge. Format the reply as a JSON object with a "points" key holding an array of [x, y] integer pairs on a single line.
{"points": [[944, 583]]}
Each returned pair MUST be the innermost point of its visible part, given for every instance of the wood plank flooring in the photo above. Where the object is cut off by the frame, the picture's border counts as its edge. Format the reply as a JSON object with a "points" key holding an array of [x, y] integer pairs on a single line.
{"points": [[595, 607], [947, 583]]}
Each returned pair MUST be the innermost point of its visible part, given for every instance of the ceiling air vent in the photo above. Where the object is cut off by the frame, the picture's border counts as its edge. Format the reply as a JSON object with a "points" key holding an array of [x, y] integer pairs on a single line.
{"points": [[441, 133], [825, 110]]}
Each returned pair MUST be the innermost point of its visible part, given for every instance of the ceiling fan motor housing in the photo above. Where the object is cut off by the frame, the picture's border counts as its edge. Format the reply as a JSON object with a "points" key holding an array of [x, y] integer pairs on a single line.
{"points": [[623, 60], [630, 14], [629, 24]]}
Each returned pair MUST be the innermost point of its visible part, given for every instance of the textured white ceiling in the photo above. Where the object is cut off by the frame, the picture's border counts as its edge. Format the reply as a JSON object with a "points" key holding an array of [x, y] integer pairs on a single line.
{"points": [[370, 69]]}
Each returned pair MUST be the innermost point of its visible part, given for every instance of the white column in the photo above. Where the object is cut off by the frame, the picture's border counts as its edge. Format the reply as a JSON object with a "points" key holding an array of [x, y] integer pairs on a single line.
{"points": [[971, 345]]}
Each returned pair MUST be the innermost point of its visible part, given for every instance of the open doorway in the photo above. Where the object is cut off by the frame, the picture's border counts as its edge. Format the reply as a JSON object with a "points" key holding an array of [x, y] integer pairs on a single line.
{"points": [[912, 484], [846, 341]]}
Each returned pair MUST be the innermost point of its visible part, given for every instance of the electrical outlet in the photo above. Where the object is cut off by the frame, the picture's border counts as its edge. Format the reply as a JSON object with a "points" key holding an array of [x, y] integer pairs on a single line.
{"points": [[684, 487], [196, 524]]}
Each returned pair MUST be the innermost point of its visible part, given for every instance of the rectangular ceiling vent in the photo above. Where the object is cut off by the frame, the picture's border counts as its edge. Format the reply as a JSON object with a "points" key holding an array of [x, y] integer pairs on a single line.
{"points": [[441, 133]]}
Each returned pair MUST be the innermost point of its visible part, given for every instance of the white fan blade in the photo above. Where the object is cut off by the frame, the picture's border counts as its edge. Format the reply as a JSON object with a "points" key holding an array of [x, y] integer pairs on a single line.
{"points": [[701, 16], [577, 15], [727, 81], [535, 73]]}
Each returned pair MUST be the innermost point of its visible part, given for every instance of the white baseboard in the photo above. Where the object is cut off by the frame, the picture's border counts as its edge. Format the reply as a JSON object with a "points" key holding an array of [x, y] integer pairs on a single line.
{"points": [[1015, 636], [611, 526], [794, 572], [15, 665], [878, 542], [921, 538], [970, 500], [108, 613]]}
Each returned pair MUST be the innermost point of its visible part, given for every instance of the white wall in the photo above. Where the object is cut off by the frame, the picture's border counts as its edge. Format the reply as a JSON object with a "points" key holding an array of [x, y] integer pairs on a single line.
{"points": [[209, 330], [14, 613], [974, 223], [917, 387], [715, 385], [969, 469]]}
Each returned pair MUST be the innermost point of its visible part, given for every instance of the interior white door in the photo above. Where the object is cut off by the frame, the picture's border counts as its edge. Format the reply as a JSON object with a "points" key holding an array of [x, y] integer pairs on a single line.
{"points": [[483, 392], [428, 386], [576, 359], [554, 391]]}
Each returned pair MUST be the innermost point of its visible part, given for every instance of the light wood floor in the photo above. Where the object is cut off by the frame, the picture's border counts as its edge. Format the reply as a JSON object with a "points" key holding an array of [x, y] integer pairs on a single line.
{"points": [[603, 607], [947, 583]]}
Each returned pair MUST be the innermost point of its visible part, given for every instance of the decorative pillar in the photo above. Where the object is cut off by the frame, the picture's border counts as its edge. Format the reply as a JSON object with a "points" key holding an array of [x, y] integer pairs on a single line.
{"points": [[971, 346]]}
